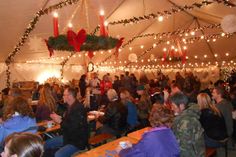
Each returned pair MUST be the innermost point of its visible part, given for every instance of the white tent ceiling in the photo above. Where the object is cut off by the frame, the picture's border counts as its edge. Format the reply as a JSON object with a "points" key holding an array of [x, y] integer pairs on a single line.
{"points": [[16, 16]]}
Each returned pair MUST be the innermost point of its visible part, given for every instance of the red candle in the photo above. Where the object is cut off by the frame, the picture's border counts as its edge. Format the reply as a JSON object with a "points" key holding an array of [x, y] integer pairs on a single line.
{"points": [[106, 28], [70, 26], [102, 27], [55, 25]]}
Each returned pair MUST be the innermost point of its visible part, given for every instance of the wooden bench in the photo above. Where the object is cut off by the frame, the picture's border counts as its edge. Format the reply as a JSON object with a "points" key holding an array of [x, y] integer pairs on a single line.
{"points": [[210, 152], [99, 139]]}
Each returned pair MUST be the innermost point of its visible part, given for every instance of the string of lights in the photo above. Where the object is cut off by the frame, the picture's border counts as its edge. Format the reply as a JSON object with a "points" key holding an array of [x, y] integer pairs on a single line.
{"points": [[178, 32], [161, 15]]}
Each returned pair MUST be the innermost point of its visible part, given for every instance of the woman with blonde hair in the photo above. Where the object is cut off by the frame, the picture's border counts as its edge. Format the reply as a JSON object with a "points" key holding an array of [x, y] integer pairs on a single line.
{"points": [[18, 117], [23, 145], [212, 121], [46, 104]]}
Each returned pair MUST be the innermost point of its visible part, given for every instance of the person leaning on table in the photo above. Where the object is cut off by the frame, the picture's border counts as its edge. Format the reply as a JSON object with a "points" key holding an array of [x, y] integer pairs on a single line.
{"points": [[159, 141]]}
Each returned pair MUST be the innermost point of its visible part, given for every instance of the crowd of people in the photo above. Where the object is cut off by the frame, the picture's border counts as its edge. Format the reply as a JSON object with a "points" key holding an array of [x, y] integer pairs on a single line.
{"points": [[185, 119]]}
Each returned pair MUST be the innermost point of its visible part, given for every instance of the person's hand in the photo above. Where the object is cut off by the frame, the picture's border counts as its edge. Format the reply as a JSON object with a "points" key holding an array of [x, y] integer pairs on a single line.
{"points": [[1, 121], [56, 118]]}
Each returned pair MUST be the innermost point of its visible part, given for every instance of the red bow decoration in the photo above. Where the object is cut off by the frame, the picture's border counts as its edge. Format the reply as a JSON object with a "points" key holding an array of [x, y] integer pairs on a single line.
{"points": [[90, 54], [51, 52], [76, 40], [119, 43]]}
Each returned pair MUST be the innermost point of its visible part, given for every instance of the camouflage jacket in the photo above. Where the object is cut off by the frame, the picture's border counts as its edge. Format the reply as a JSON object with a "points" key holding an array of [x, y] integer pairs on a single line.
{"points": [[189, 133]]}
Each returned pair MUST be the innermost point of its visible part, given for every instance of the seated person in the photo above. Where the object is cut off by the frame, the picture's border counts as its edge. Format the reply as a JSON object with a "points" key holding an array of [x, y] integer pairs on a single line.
{"points": [[46, 104], [74, 127], [114, 120], [18, 117], [23, 145], [132, 118], [144, 106], [158, 142], [212, 121]]}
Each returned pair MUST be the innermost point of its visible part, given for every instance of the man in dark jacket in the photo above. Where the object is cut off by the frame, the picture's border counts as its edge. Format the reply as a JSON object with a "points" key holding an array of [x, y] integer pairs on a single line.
{"points": [[74, 127], [114, 120]]}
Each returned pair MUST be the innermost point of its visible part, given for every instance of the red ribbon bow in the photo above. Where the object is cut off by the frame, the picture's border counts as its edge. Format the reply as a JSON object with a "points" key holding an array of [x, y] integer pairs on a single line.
{"points": [[76, 40], [51, 52]]}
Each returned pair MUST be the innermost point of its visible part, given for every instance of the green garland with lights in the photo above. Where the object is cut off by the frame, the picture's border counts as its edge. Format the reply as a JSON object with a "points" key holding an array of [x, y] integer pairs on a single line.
{"points": [[92, 43]]}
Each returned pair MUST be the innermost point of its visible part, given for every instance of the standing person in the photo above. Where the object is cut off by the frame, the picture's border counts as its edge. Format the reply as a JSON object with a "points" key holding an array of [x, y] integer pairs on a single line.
{"points": [[212, 122], [116, 83], [18, 117], [187, 128], [82, 85], [127, 81], [159, 141], [23, 145], [105, 85], [74, 127], [225, 107], [95, 89], [134, 83], [46, 104]]}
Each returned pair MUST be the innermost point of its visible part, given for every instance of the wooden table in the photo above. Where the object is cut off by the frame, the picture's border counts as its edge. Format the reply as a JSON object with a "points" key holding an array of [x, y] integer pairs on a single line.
{"points": [[108, 149], [57, 126], [53, 128], [137, 135]]}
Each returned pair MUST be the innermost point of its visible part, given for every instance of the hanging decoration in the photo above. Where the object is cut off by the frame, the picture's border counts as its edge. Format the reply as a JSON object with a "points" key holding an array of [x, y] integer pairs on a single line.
{"points": [[102, 26], [33, 23], [175, 53], [228, 23], [191, 40], [29, 29], [82, 41], [90, 54], [91, 43], [55, 24], [90, 67], [133, 57]]}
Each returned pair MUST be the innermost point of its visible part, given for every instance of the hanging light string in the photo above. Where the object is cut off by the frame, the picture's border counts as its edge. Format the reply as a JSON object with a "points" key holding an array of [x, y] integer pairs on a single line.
{"points": [[179, 32], [185, 41], [166, 13], [171, 11], [190, 40]]}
